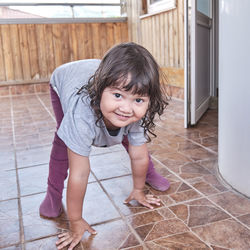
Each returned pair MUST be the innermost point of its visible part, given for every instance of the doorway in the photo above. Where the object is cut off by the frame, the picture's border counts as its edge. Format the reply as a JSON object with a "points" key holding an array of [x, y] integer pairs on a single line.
{"points": [[201, 58]]}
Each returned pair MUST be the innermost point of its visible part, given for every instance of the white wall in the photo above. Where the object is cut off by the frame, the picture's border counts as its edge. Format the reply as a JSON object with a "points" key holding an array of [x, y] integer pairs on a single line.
{"points": [[234, 93]]}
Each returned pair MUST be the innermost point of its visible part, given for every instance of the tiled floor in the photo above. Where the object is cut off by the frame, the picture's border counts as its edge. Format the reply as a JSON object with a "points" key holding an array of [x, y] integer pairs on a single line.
{"points": [[197, 212]]}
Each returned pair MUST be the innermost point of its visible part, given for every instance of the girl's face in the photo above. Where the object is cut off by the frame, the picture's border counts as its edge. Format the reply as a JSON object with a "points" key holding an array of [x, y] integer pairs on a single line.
{"points": [[121, 108]]}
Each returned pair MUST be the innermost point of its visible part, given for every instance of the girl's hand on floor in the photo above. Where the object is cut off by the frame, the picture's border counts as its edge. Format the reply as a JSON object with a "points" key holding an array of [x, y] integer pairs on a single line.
{"points": [[72, 238], [145, 200]]}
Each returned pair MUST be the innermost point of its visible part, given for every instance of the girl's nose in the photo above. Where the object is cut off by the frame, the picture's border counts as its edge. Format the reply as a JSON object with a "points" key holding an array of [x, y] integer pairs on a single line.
{"points": [[126, 107]]}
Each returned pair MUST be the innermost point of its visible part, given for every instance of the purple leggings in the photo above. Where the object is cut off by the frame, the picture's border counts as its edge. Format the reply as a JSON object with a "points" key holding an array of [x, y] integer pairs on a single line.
{"points": [[58, 168], [58, 165]]}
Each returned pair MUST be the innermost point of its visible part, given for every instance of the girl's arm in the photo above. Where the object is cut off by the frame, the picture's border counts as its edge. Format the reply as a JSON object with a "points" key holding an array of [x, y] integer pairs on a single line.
{"points": [[78, 178], [139, 164], [79, 170]]}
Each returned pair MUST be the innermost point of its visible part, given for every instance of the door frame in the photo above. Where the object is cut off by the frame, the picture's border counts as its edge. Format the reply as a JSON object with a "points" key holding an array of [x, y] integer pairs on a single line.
{"points": [[187, 57]]}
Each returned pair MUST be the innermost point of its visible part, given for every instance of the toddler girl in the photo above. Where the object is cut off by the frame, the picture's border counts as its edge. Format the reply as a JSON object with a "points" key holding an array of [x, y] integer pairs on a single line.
{"points": [[102, 103]]}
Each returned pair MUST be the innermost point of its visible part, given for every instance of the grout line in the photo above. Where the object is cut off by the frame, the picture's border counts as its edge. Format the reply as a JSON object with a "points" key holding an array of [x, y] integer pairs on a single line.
{"points": [[99, 181], [16, 245], [35, 147], [203, 196], [217, 174], [30, 166], [20, 215], [51, 115], [194, 142], [106, 221], [121, 214], [110, 178], [24, 94], [41, 238], [199, 162]]}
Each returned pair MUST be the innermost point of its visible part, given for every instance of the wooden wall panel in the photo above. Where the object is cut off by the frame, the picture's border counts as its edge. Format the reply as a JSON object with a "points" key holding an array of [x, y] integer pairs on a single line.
{"points": [[49, 49], [2, 65], [163, 35], [32, 45], [72, 42], [56, 33], [171, 40], [103, 38], [25, 53], [65, 43], [96, 42], [88, 44], [110, 34], [15, 48], [117, 33], [181, 31], [7, 53], [41, 50], [80, 37], [30, 52]]}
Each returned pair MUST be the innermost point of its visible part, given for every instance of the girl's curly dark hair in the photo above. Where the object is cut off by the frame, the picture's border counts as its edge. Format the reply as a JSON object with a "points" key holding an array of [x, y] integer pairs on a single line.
{"points": [[134, 60]]}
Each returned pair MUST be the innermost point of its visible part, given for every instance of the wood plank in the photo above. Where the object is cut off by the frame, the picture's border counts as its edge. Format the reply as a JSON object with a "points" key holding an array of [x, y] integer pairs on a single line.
{"points": [[7, 53], [135, 21], [88, 38], [117, 33], [41, 49], [151, 34], [143, 34], [73, 42], [96, 41], [129, 18], [16, 55], [50, 58], [181, 32], [166, 47], [124, 32], [110, 35], [24, 49], [103, 39], [32, 45], [148, 34], [2, 63], [157, 39], [175, 76], [162, 39], [56, 32], [80, 35], [175, 34], [171, 39], [65, 43]]}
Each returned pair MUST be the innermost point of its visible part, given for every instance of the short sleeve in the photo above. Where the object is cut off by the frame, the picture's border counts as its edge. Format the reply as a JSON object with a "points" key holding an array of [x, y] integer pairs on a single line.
{"points": [[136, 135], [76, 133]]}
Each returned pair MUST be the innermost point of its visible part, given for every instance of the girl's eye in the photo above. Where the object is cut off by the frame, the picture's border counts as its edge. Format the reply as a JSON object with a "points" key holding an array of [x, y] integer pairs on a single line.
{"points": [[117, 95], [138, 100]]}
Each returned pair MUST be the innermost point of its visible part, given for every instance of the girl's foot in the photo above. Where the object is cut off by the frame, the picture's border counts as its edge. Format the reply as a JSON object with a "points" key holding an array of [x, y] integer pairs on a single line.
{"points": [[155, 180], [51, 207]]}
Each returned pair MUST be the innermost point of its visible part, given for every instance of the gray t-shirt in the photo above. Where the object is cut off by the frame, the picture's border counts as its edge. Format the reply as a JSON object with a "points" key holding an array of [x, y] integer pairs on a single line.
{"points": [[78, 128]]}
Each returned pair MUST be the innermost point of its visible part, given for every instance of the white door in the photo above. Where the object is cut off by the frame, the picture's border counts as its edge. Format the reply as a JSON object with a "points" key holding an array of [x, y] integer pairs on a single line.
{"points": [[200, 58]]}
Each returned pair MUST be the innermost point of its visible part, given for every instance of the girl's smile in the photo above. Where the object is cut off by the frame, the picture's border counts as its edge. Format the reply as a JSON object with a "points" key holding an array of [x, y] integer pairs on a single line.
{"points": [[123, 117], [121, 108]]}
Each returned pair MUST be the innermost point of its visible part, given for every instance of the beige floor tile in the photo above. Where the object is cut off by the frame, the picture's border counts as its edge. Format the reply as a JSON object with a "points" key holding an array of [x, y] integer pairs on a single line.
{"points": [[110, 236], [185, 241], [233, 203], [9, 229], [228, 234]]}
